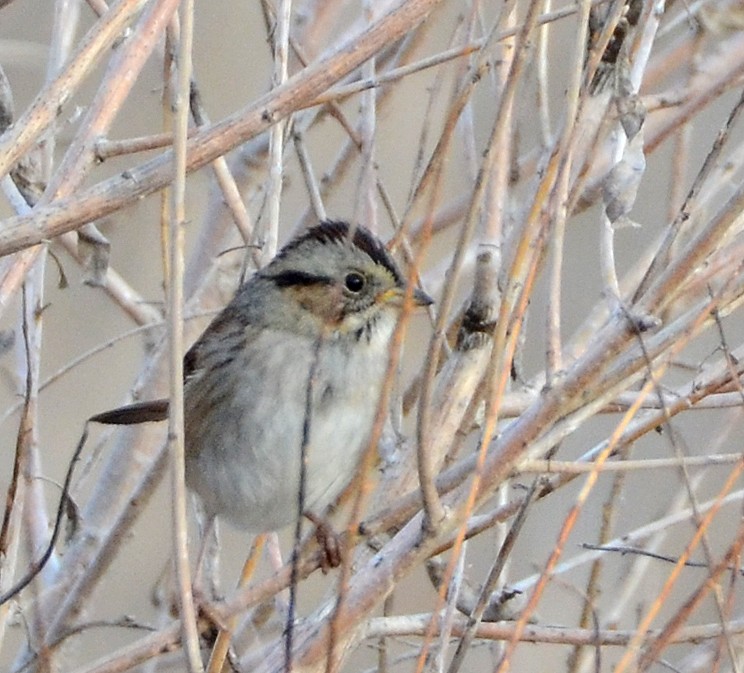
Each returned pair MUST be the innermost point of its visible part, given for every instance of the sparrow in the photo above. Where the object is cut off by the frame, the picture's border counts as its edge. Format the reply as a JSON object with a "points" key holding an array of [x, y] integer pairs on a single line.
{"points": [[293, 366]]}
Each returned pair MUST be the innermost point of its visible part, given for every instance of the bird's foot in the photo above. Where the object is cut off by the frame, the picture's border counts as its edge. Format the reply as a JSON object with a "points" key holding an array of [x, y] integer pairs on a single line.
{"points": [[331, 543]]}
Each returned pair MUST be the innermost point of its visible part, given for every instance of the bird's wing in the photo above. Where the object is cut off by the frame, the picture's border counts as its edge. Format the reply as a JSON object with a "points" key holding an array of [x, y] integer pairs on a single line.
{"points": [[227, 333]]}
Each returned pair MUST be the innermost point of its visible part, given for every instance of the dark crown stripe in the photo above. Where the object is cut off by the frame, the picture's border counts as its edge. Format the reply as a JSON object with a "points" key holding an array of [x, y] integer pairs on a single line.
{"points": [[337, 231]]}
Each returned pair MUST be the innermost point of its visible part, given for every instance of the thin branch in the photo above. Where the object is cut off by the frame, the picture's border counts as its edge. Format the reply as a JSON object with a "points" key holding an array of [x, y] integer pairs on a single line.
{"points": [[175, 254]]}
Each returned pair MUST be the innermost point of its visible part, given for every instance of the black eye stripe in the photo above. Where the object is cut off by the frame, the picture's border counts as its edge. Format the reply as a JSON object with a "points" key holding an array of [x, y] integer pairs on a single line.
{"points": [[299, 278], [338, 232]]}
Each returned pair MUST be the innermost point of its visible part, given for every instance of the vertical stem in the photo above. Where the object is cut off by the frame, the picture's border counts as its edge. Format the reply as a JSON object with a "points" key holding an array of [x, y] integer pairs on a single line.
{"points": [[554, 355], [366, 202], [175, 337], [276, 138]]}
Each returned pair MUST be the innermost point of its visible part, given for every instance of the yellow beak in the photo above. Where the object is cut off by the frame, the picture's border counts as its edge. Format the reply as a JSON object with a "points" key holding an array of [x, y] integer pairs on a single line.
{"points": [[395, 296]]}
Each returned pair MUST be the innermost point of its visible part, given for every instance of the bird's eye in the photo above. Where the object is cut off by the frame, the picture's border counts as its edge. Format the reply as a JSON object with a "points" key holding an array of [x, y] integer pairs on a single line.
{"points": [[354, 282]]}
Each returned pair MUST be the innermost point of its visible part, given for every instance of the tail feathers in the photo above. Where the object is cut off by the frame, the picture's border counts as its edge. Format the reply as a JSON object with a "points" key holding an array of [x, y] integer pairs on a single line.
{"points": [[132, 414]]}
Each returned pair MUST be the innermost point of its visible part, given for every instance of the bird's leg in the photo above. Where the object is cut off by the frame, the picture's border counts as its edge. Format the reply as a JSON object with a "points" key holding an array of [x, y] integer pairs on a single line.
{"points": [[331, 543]]}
